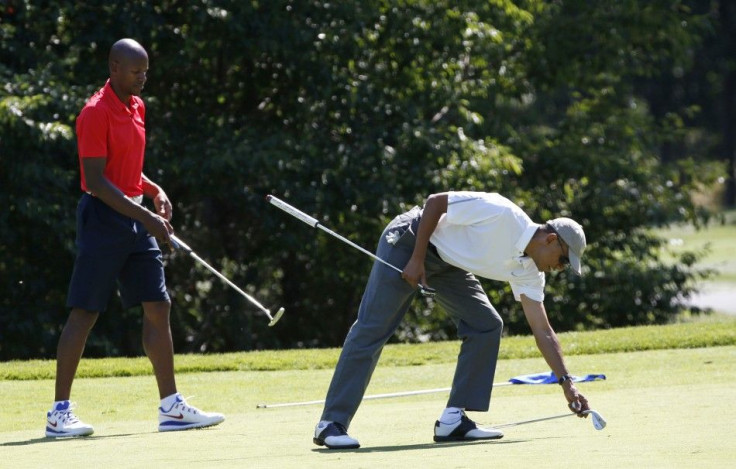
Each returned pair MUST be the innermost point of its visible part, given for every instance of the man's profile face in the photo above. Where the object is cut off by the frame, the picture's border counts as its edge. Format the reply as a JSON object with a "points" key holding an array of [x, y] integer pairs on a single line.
{"points": [[129, 74]]}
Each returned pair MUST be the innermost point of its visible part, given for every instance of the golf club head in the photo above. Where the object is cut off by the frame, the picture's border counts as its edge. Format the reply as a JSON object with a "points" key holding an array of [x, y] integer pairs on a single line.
{"points": [[599, 423], [276, 317]]}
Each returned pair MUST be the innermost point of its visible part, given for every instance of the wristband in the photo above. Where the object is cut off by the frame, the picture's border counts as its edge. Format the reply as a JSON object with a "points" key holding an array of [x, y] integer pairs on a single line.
{"points": [[564, 378]]}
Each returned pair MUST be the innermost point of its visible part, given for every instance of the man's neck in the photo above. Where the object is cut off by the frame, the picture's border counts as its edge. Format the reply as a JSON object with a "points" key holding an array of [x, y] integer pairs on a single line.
{"points": [[125, 99]]}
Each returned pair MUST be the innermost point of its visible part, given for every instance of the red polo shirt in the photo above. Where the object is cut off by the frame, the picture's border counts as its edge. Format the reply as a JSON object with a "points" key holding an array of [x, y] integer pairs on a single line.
{"points": [[108, 128]]}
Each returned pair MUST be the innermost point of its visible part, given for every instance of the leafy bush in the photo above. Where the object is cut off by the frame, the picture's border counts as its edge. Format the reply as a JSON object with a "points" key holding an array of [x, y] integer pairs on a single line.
{"points": [[353, 111]]}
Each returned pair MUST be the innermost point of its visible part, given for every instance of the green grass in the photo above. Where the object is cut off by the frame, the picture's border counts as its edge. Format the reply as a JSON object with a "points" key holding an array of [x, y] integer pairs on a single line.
{"points": [[719, 238], [704, 332], [667, 408], [667, 400]]}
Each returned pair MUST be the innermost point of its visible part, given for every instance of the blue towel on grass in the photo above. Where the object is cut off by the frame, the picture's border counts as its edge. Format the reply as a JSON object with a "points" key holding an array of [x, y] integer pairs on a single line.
{"points": [[550, 378]]}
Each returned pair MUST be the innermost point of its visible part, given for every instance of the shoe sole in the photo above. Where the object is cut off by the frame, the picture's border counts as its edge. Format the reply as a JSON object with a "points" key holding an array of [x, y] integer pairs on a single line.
{"points": [[53, 434], [446, 439], [173, 427], [320, 442]]}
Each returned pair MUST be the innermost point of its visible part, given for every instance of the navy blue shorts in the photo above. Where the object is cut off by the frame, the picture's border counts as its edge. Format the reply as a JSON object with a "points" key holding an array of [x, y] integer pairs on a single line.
{"points": [[113, 251]]}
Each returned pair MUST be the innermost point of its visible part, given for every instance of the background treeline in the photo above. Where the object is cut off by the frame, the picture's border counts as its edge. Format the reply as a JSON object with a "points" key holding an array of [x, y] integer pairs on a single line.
{"points": [[610, 112]]}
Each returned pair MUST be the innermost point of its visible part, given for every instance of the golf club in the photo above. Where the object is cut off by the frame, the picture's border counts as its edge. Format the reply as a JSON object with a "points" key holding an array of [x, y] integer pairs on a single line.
{"points": [[599, 423], [179, 244], [314, 223], [372, 397]]}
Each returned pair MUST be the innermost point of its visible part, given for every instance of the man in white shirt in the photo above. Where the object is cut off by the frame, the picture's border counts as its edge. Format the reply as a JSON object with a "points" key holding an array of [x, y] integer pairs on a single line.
{"points": [[456, 237]]}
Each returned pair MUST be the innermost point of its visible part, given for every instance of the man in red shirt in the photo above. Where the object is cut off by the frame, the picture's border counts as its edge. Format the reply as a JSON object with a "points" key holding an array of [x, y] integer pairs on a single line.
{"points": [[116, 243]]}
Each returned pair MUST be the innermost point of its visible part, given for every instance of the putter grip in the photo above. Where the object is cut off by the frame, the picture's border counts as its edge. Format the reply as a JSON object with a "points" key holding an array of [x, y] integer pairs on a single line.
{"points": [[296, 213]]}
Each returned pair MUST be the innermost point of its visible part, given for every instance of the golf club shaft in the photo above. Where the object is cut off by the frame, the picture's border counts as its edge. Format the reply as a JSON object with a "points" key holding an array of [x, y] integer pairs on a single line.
{"points": [[189, 250], [371, 397], [314, 223], [524, 422], [365, 398]]}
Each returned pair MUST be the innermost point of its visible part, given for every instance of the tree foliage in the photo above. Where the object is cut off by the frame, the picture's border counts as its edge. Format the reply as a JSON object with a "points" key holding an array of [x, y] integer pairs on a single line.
{"points": [[352, 111]]}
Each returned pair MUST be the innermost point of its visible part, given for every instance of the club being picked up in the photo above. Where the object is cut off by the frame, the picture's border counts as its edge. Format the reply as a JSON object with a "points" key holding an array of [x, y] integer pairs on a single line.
{"points": [[179, 244], [599, 423], [314, 223]]}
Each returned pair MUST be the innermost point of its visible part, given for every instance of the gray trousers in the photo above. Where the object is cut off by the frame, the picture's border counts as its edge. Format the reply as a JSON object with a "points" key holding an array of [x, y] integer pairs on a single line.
{"points": [[387, 298]]}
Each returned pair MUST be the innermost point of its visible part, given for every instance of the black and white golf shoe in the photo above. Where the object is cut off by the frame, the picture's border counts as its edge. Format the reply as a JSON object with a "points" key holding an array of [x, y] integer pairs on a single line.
{"points": [[334, 436], [463, 429]]}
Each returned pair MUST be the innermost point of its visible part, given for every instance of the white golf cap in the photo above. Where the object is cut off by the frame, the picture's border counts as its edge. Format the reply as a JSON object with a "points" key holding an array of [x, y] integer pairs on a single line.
{"points": [[572, 234]]}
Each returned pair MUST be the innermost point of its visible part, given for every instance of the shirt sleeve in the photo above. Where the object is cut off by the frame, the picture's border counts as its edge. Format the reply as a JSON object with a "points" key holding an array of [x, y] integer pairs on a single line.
{"points": [[92, 126], [533, 288]]}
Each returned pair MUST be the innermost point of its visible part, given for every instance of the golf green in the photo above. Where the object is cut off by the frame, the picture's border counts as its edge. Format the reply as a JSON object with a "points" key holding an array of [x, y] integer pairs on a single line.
{"points": [[667, 408]]}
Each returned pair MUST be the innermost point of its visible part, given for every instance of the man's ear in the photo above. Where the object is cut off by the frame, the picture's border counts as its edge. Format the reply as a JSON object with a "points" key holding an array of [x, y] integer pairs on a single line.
{"points": [[550, 238]]}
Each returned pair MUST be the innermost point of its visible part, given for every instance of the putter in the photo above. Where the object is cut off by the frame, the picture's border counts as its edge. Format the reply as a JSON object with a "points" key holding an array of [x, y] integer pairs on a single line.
{"points": [[372, 397], [599, 423], [179, 244], [314, 223]]}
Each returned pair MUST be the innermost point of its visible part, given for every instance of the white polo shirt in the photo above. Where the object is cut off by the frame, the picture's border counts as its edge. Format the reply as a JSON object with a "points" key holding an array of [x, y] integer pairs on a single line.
{"points": [[486, 234]]}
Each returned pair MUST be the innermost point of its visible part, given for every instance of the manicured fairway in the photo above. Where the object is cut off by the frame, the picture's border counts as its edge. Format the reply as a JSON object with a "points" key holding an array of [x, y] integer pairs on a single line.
{"points": [[668, 408]]}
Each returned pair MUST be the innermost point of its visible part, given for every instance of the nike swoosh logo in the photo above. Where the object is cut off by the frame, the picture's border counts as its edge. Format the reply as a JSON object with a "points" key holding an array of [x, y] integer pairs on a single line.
{"points": [[52, 424], [179, 417]]}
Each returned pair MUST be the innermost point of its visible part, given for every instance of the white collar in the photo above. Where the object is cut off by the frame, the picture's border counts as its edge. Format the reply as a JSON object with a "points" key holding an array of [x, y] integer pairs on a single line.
{"points": [[526, 237]]}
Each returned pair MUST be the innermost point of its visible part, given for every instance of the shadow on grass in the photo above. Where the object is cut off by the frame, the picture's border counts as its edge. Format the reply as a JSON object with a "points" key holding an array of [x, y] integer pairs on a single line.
{"points": [[44, 440], [422, 446]]}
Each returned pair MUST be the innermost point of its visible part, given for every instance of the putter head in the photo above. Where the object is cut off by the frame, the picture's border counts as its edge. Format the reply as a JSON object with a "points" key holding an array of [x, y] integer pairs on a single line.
{"points": [[599, 423], [276, 317]]}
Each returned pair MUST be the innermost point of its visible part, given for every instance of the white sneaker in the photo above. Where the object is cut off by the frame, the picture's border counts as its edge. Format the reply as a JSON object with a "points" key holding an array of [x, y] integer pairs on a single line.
{"points": [[464, 430], [182, 416], [334, 436], [61, 422]]}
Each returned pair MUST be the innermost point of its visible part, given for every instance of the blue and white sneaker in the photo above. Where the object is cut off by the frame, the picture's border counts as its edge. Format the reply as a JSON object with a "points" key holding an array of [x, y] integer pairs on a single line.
{"points": [[182, 416], [61, 422], [334, 436]]}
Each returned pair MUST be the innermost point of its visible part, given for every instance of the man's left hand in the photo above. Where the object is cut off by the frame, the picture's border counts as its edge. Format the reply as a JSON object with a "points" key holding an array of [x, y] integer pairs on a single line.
{"points": [[163, 206], [576, 401]]}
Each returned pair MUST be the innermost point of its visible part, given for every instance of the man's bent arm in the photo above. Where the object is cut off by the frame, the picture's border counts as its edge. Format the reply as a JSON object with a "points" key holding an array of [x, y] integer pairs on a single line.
{"points": [[103, 189], [434, 208], [549, 345]]}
